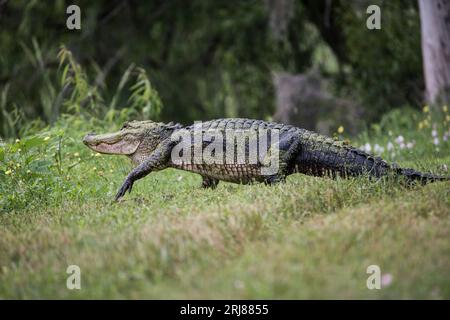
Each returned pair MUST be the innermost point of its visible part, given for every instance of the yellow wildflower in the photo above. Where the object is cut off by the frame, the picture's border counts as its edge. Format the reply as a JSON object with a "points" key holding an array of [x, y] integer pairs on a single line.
{"points": [[17, 140], [445, 108], [8, 172], [420, 125], [46, 138], [76, 154], [447, 118], [28, 171], [340, 130], [426, 109], [97, 154]]}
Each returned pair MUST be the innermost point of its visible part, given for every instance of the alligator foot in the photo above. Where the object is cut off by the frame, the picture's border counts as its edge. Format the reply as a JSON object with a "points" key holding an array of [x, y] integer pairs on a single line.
{"points": [[126, 186], [274, 179]]}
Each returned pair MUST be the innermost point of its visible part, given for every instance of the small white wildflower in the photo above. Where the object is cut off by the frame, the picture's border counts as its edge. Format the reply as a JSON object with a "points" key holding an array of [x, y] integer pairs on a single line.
{"points": [[434, 133], [390, 146], [402, 145], [409, 145], [179, 178], [436, 141], [378, 149], [445, 137], [399, 140], [367, 147]]}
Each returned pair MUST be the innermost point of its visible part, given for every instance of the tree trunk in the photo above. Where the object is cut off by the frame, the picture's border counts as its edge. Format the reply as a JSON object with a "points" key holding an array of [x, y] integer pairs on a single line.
{"points": [[435, 29], [304, 100]]}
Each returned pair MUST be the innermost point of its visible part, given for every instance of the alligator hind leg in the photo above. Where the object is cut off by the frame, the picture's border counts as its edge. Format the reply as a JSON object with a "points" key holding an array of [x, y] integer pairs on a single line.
{"points": [[292, 148], [288, 158], [209, 182], [274, 179]]}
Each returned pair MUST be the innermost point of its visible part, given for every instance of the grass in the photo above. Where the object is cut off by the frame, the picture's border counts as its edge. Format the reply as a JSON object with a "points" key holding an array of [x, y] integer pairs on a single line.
{"points": [[307, 238]]}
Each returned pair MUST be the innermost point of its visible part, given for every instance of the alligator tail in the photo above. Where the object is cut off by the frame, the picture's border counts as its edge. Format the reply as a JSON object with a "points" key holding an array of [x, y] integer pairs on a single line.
{"points": [[323, 156], [422, 177]]}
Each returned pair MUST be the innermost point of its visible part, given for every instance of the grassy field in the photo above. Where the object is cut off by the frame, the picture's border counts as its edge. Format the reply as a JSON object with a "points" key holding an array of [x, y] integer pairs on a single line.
{"points": [[307, 238]]}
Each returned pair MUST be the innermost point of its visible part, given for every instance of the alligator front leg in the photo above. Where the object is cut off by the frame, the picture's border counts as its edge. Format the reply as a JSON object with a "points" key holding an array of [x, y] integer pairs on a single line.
{"points": [[158, 160]]}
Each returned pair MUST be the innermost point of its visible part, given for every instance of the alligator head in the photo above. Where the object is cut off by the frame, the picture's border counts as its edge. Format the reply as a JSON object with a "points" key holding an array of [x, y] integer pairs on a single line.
{"points": [[136, 139]]}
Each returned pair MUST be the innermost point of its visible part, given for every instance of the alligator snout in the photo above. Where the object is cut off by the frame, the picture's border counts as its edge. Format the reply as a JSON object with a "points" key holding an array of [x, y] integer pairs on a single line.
{"points": [[88, 138]]}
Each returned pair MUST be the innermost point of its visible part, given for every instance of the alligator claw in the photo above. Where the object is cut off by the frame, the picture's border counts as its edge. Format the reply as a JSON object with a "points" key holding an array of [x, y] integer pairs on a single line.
{"points": [[126, 186]]}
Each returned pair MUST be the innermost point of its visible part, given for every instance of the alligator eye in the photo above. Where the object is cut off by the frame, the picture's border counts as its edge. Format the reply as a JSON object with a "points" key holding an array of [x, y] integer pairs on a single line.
{"points": [[125, 125]]}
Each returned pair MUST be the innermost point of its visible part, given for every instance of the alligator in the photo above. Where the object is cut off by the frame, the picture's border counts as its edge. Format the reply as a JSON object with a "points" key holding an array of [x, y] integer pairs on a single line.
{"points": [[151, 146]]}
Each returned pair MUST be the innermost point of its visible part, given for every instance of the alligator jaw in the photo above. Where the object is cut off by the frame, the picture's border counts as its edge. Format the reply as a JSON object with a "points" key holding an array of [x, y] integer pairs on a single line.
{"points": [[113, 143]]}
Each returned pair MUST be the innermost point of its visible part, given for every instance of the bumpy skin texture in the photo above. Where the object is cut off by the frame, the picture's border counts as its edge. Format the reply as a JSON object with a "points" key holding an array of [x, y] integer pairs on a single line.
{"points": [[300, 151]]}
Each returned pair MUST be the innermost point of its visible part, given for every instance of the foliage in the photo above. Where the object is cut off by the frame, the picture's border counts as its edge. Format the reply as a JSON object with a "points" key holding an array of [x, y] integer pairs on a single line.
{"points": [[205, 59], [406, 134], [144, 97], [383, 67]]}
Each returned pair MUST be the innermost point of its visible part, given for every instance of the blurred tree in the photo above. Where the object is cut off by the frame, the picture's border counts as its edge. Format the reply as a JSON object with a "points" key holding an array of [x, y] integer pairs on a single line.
{"points": [[207, 59], [435, 22]]}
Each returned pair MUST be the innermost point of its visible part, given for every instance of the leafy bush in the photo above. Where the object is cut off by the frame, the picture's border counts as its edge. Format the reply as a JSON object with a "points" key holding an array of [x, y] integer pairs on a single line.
{"points": [[37, 169], [384, 67], [30, 170]]}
